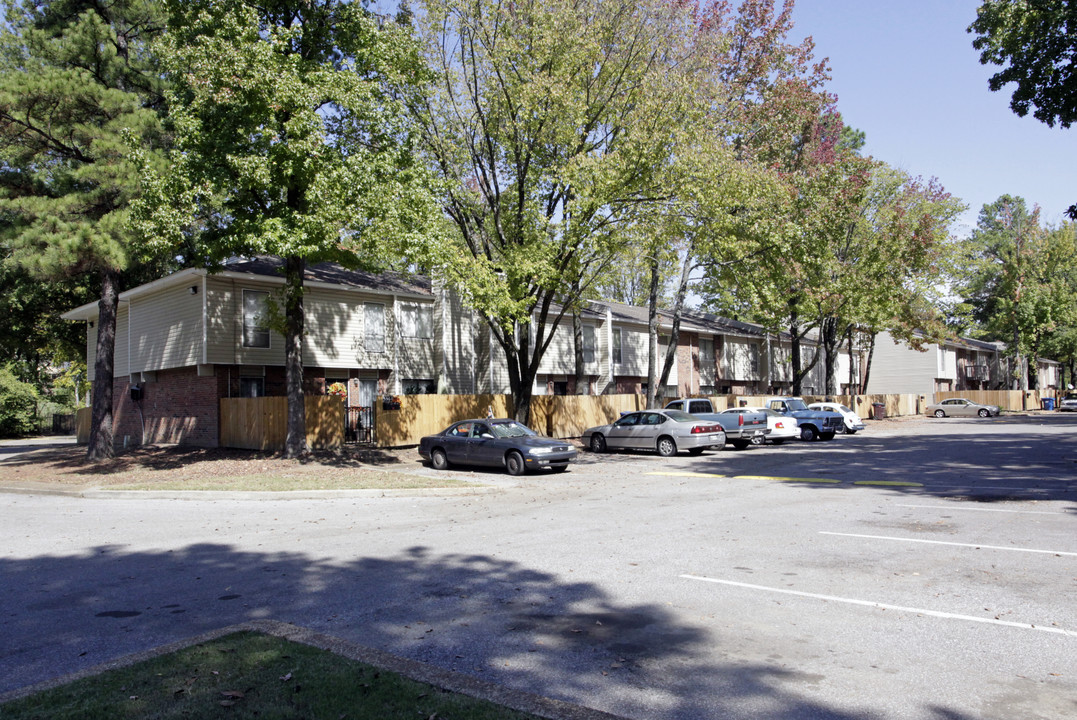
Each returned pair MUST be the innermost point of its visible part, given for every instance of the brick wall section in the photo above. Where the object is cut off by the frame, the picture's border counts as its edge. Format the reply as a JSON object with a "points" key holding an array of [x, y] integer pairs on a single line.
{"points": [[178, 407], [687, 364]]}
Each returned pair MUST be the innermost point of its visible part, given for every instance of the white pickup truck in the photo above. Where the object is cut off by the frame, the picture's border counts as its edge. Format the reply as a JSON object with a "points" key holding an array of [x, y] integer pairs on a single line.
{"points": [[739, 428]]}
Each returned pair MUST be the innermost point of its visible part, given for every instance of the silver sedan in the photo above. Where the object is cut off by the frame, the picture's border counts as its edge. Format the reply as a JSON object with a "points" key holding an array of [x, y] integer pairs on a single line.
{"points": [[664, 431], [960, 407]]}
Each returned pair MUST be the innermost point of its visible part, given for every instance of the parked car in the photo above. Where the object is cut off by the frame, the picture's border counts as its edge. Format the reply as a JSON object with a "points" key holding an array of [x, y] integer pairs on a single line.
{"points": [[498, 442], [853, 422], [960, 407], [813, 423], [1068, 402], [741, 430], [665, 431], [782, 427]]}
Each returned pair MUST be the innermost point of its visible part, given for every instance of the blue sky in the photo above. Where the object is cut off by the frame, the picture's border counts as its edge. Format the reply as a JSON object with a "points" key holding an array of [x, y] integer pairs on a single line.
{"points": [[906, 74]]}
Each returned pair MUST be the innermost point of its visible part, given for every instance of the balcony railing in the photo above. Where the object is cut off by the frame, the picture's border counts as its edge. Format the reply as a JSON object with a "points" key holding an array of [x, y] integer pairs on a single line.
{"points": [[977, 372]]}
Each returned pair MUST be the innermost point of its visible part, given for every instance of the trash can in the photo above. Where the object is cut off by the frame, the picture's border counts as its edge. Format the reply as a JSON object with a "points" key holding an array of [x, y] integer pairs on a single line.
{"points": [[1048, 403], [878, 411]]}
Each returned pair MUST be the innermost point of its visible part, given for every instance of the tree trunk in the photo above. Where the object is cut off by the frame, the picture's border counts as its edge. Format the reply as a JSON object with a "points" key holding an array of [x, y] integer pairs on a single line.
{"points": [[794, 347], [652, 334], [101, 444], [828, 333], [678, 308], [295, 442], [577, 337], [867, 366]]}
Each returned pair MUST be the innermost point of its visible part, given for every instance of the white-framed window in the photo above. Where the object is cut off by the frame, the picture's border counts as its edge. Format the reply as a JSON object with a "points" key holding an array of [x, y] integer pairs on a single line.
{"points": [[417, 320], [616, 351], [255, 319], [374, 327], [419, 387], [588, 343], [706, 353]]}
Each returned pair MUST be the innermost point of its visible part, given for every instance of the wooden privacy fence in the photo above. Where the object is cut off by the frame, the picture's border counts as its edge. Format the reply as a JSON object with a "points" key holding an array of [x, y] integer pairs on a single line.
{"points": [[1006, 399], [567, 416], [261, 423]]}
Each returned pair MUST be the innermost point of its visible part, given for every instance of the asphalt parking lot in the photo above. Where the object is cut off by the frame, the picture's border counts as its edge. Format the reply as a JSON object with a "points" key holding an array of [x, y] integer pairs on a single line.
{"points": [[922, 569]]}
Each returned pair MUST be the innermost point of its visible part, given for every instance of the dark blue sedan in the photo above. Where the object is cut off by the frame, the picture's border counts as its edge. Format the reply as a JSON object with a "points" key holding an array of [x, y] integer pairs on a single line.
{"points": [[495, 443]]}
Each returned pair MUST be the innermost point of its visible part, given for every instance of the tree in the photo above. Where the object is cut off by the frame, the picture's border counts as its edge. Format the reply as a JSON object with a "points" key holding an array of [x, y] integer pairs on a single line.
{"points": [[291, 141], [79, 90], [1034, 43], [552, 124], [1017, 280]]}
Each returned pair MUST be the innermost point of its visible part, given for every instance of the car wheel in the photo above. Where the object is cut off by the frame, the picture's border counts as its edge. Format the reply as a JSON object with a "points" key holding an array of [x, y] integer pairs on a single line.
{"points": [[666, 446], [759, 439], [740, 444], [807, 433], [983, 413], [439, 460], [696, 451], [940, 413], [598, 443], [514, 463], [826, 436]]}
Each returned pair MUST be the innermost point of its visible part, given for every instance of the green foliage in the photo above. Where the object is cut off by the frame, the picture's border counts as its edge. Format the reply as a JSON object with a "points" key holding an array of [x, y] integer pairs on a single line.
{"points": [[1019, 279], [18, 405], [291, 137], [1034, 43]]}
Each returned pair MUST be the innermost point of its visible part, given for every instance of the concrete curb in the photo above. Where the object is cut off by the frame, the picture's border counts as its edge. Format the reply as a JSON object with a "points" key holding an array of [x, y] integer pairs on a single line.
{"points": [[445, 679]]}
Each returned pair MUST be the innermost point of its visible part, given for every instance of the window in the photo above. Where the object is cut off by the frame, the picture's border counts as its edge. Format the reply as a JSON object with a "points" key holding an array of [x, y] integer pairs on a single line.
{"points": [[419, 387], [255, 319], [617, 358], [417, 321], [588, 343], [251, 387], [706, 354], [753, 357], [374, 321]]}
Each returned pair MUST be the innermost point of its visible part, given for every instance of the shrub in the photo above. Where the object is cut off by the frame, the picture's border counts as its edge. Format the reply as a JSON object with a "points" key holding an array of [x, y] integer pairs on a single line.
{"points": [[18, 405]]}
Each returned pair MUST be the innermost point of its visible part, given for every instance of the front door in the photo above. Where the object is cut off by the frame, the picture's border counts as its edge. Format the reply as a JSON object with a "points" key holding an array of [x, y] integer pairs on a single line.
{"points": [[368, 394]]}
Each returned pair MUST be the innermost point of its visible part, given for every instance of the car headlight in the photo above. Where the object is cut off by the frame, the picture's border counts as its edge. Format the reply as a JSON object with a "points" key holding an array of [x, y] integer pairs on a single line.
{"points": [[542, 450]]}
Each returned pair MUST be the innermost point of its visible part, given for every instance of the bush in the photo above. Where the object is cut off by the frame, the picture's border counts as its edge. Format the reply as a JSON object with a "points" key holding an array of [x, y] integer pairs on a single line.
{"points": [[18, 405]]}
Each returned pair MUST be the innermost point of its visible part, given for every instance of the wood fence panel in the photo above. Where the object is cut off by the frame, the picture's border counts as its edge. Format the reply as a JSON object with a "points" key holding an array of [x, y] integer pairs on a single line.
{"points": [[82, 425], [262, 423], [567, 416], [421, 415], [1010, 400]]}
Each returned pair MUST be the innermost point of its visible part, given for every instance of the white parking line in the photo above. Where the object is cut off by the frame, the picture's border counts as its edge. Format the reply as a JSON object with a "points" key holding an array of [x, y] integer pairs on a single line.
{"points": [[943, 542], [976, 509], [884, 606]]}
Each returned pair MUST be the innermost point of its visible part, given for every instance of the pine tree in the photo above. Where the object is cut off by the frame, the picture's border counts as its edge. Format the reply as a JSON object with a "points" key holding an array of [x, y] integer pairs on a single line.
{"points": [[80, 104]]}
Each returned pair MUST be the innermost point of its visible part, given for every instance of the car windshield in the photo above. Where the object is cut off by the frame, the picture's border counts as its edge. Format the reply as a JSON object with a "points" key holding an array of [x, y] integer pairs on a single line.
{"points": [[680, 416], [511, 429], [795, 404]]}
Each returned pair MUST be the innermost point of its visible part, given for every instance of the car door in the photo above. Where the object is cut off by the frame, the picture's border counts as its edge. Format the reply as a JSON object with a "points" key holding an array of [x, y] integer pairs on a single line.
{"points": [[456, 442], [620, 435], [646, 434], [482, 447]]}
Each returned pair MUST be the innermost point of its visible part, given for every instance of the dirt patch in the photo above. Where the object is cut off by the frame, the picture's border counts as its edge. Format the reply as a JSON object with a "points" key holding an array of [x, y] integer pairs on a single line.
{"points": [[177, 467]]}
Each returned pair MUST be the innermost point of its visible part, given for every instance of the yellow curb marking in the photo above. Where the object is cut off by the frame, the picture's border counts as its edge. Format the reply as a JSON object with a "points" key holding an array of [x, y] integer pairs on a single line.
{"points": [[687, 474], [789, 479]]}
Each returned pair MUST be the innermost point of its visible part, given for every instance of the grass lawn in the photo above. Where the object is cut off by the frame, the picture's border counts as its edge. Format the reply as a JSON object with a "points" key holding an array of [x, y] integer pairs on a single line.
{"points": [[249, 675]]}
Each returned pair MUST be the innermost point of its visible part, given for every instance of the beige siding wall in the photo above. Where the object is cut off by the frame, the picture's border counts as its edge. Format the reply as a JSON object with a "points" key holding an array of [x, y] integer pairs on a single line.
{"points": [[334, 330], [455, 353], [166, 329], [897, 368], [123, 341], [633, 353], [737, 359], [224, 325]]}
